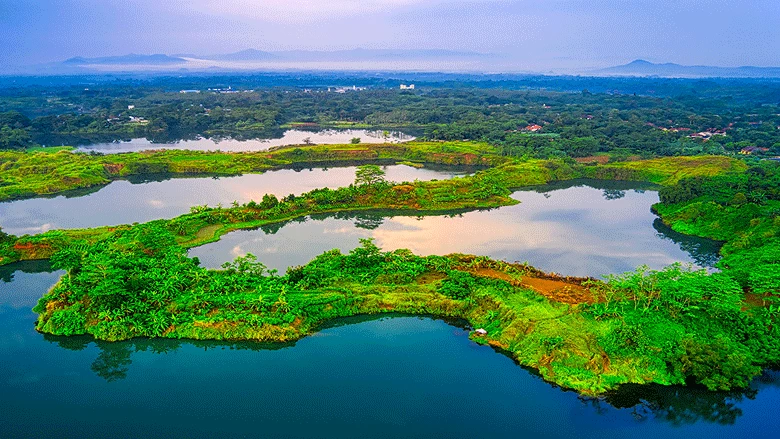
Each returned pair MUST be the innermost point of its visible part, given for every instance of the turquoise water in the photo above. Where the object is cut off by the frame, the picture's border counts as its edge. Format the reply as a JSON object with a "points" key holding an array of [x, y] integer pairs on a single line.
{"points": [[389, 377]]}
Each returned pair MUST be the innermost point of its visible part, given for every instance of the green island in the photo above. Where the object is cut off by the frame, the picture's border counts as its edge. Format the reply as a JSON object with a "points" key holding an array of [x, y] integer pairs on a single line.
{"points": [[673, 326]]}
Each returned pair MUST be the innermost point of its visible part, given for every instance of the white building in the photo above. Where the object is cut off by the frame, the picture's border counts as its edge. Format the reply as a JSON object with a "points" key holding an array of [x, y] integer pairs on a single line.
{"points": [[407, 87]]}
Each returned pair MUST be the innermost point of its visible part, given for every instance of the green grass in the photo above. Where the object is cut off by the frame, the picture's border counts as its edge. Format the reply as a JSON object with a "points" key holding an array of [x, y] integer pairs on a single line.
{"points": [[34, 173], [665, 327]]}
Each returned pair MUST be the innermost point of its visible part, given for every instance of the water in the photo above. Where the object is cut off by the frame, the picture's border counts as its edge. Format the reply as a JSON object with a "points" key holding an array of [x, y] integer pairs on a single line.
{"points": [[580, 228], [391, 377], [290, 137], [169, 197]]}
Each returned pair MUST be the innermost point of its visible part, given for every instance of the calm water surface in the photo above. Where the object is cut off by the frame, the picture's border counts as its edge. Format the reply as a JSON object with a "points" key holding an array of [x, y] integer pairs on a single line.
{"points": [[392, 377], [580, 228], [124, 202], [290, 137]]}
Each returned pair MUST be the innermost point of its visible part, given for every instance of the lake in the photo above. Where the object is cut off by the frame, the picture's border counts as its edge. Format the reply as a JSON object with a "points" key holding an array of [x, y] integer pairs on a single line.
{"points": [[387, 377], [166, 197], [290, 137], [576, 228]]}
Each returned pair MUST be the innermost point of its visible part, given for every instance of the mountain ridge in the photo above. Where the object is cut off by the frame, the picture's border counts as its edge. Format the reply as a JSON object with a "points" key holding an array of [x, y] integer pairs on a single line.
{"points": [[641, 67]]}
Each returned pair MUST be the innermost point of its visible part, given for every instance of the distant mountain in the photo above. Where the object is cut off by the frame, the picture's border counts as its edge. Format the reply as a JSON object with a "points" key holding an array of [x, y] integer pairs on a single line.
{"points": [[250, 59], [131, 59], [645, 68]]}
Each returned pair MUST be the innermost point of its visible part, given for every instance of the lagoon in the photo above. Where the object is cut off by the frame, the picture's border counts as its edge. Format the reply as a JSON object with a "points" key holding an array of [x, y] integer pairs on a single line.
{"points": [[398, 376], [576, 228]]}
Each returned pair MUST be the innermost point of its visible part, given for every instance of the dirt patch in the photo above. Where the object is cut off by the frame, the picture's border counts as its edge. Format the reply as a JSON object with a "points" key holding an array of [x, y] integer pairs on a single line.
{"points": [[600, 159], [559, 291], [755, 300], [495, 274], [553, 289]]}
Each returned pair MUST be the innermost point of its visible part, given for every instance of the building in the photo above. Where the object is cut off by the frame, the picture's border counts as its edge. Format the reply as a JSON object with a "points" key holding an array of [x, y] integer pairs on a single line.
{"points": [[532, 128], [407, 87], [707, 135], [752, 150]]}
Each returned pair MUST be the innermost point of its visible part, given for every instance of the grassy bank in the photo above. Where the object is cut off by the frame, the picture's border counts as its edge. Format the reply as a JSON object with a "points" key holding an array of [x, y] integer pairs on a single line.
{"points": [[669, 327], [485, 189], [55, 170]]}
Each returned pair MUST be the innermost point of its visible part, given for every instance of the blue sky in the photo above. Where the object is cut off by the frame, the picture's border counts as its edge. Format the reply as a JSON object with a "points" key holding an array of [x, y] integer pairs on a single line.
{"points": [[536, 34]]}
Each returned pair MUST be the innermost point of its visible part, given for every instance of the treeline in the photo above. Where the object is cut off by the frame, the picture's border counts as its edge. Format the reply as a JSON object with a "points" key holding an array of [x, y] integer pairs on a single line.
{"points": [[536, 123]]}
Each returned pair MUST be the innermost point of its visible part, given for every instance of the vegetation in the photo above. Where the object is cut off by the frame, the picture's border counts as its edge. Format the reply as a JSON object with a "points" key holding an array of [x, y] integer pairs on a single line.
{"points": [[485, 189], [671, 326], [29, 174], [665, 327], [668, 327], [522, 116]]}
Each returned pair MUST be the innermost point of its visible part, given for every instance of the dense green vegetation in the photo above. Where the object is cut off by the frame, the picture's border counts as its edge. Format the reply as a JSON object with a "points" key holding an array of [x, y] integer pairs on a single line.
{"points": [[663, 327], [485, 189], [32, 173], [671, 326], [615, 120], [666, 327]]}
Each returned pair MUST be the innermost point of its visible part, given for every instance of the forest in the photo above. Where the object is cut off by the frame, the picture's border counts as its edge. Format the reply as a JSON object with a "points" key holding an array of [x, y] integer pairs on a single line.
{"points": [[525, 116]]}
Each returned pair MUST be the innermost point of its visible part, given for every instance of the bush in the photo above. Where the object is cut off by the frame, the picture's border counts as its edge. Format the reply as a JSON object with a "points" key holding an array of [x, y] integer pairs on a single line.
{"points": [[458, 285]]}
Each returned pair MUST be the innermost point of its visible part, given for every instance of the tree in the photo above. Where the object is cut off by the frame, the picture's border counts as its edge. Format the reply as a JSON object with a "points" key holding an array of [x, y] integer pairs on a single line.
{"points": [[355, 140], [369, 175], [269, 201]]}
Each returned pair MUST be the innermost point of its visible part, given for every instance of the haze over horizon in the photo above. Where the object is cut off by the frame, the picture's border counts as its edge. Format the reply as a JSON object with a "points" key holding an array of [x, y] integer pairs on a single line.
{"points": [[534, 35]]}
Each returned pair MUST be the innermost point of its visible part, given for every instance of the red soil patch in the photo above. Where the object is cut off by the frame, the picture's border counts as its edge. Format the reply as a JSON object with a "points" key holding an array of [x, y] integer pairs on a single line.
{"points": [[557, 290], [600, 159]]}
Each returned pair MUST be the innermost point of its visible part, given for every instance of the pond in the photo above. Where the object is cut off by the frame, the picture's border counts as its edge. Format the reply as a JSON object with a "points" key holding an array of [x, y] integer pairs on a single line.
{"points": [[167, 197], [576, 228], [290, 137], [397, 376]]}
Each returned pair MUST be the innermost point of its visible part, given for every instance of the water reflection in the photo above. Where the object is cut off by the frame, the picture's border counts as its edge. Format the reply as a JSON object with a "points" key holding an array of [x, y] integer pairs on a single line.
{"points": [[703, 251], [572, 228], [161, 196], [676, 405], [289, 137], [424, 375]]}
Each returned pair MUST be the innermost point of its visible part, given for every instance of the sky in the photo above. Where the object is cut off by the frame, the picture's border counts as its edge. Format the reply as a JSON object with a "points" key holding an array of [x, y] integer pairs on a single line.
{"points": [[533, 34]]}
